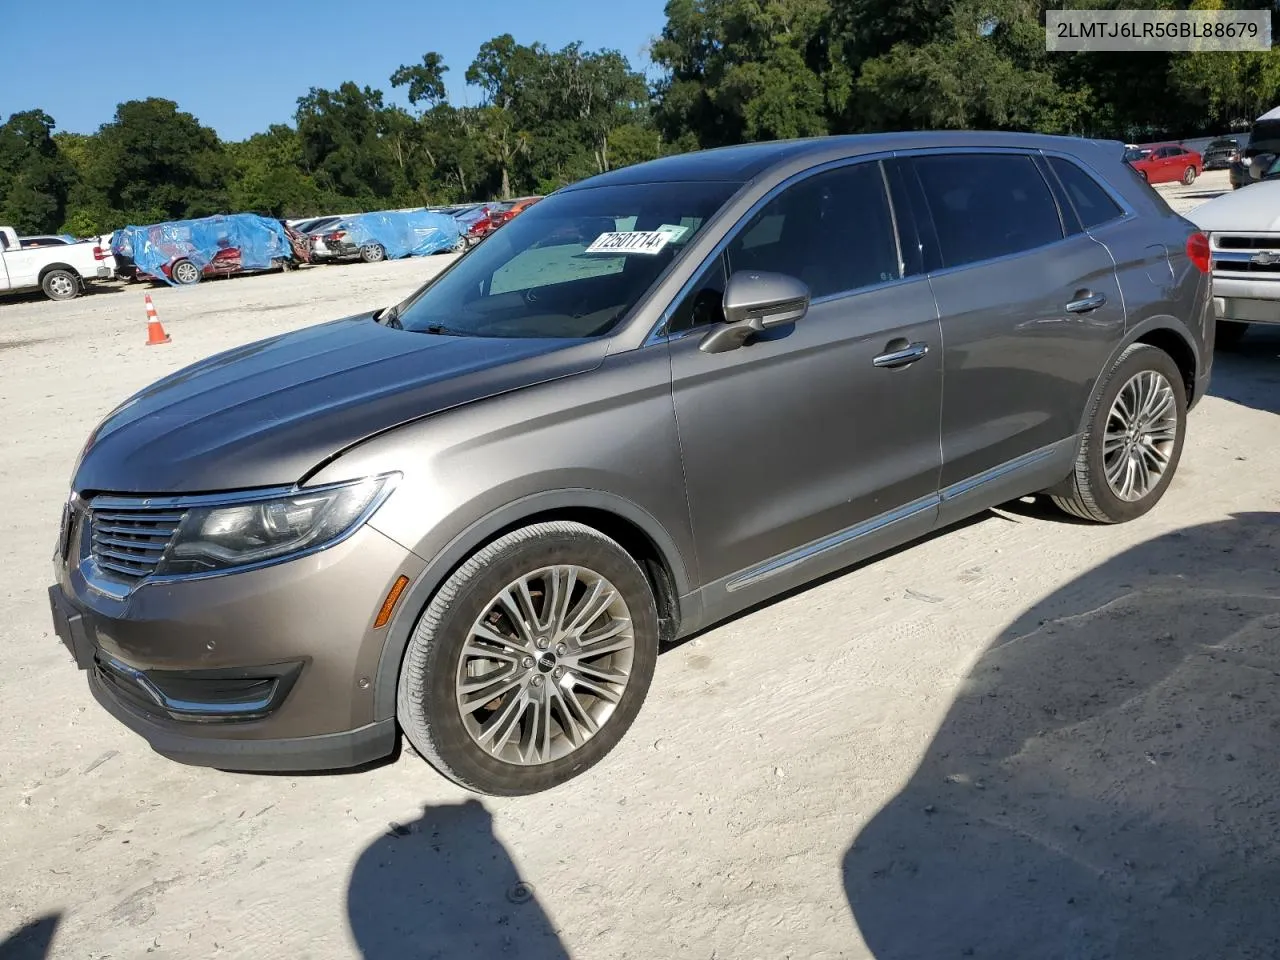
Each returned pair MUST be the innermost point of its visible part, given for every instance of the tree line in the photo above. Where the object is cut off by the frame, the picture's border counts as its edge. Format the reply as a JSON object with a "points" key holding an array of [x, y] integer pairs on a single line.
{"points": [[729, 71]]}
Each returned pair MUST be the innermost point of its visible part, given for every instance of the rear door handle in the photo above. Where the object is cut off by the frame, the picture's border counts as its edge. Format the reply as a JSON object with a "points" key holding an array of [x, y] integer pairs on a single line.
{"points": [[1085, 304], [903, 356]]}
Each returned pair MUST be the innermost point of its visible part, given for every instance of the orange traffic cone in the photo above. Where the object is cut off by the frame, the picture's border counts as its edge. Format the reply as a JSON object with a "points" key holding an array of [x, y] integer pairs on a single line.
{"points": [[155, 329]]}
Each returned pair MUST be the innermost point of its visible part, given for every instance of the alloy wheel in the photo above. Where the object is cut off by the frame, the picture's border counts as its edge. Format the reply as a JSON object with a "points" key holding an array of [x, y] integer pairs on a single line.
{"points": [[1142, 428], [186, 273], [545, 664]]}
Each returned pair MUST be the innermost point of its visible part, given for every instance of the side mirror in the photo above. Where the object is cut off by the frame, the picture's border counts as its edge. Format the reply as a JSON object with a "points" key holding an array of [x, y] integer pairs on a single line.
{"points": [[755, 301]]}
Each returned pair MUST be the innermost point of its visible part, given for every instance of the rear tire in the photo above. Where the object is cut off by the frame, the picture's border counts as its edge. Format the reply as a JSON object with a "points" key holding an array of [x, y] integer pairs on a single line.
{"points": [[1229, 333], [60, 285], [185, 273], [1189, 176], [449, 700], [1138, 438], [373, 253]]}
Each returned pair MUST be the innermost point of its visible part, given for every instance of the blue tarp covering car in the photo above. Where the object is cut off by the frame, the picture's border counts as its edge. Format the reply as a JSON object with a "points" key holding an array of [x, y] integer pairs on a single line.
{"points": [[232, 243], [416, 233]]}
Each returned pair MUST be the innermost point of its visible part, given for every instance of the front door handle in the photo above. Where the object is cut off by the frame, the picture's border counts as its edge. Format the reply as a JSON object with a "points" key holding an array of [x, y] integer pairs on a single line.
{"points": [[1085, 304], [903, 356]]}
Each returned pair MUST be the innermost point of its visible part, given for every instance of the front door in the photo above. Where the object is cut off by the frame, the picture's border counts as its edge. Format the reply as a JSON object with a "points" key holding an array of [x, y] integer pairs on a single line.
{"points": [[810, 445]]}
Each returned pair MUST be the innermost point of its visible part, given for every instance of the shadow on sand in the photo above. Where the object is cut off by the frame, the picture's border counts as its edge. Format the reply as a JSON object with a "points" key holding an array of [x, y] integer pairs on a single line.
{"points": [[444, 887], [1106, 783], [31, 942]]}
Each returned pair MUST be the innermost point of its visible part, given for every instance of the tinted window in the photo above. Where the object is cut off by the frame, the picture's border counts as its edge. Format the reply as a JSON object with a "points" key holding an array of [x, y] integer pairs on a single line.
{"points": [[569, 265], [987, 206], [832, 230], [1090, 200]]}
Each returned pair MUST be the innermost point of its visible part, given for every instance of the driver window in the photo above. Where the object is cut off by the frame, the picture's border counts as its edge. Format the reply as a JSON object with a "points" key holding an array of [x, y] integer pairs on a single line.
{"points": [[833, 230]]}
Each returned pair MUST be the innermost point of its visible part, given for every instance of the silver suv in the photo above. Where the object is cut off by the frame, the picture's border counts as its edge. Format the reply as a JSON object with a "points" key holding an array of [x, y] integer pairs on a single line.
{"points": [[657, 398]]}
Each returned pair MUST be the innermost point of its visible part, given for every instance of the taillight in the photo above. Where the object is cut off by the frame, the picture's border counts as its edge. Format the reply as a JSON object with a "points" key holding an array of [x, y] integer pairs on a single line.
{"points": [[99, 253], [1198, 251], [334, 237]]}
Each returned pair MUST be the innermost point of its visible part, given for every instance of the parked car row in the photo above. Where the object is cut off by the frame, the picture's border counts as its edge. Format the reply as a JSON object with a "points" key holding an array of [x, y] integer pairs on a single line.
{"points": [[185, 252]]}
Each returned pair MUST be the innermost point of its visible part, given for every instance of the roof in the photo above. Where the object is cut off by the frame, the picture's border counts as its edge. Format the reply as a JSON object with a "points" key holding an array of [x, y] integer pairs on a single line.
{"points": [[739, 164], [1272, 114]]}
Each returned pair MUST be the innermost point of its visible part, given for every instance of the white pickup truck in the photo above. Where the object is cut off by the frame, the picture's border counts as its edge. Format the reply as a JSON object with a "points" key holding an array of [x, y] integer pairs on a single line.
{"points": [[61, 270], [1244, 247]]}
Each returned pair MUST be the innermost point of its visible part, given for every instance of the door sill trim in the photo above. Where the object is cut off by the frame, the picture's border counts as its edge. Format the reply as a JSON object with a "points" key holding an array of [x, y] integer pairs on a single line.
{"points": [[817, 548]]}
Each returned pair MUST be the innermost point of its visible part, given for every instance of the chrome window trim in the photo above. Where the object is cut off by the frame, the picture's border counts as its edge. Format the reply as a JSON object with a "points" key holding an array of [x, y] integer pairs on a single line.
{"points": [[656, 334], [1126, 211], [116, 589]]}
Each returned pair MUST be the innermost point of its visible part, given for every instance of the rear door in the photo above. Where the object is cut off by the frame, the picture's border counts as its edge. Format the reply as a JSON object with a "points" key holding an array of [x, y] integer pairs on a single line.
{"points": [[1030, 311]]}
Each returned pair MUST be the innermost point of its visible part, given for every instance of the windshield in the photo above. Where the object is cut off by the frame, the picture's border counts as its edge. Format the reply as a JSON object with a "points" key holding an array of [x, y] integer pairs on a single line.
{"points": [[570, 266], [1132, 155], [1222, 145]]}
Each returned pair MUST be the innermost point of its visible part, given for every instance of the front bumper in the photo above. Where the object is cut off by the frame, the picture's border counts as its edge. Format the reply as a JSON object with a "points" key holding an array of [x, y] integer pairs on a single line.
{"points": [[268, 669]]}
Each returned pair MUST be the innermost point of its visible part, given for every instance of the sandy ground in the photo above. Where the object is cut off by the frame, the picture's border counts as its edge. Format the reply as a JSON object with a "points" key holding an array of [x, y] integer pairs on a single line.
{"points": [[1022, 738]]}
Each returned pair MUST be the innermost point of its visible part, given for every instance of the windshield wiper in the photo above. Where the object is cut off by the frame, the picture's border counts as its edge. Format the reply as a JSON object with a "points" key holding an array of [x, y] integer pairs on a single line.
{"points": [[439, 329]]}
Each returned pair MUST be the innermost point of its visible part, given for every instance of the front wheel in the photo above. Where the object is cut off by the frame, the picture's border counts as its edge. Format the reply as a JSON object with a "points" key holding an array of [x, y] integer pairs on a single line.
{"points": [[531, 662], [1189, 176], [373, 253], [1133, 440], [60, 285], [185, 272]]}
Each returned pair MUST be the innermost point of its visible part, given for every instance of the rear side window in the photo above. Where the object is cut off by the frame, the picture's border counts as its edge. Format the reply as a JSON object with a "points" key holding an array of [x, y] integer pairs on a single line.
{"points": [[1091, 202], [985, 206]]}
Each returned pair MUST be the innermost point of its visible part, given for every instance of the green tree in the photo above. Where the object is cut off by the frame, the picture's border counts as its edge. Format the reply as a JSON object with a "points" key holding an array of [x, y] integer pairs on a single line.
{"points": [[341, 133], [35, 179], [154, 163], [268, 176]]}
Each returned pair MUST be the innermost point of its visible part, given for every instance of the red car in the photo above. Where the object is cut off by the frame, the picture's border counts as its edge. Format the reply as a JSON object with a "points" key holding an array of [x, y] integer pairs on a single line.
{"points": [[1166, 163]]}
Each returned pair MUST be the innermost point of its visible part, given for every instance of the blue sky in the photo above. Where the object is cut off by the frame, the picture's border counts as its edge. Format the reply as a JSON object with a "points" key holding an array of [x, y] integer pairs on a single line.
{"points": [[239, 73]]}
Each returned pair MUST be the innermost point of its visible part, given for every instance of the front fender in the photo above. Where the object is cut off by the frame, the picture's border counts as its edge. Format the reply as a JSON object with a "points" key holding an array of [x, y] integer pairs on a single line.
{"points": [[484, 529]]}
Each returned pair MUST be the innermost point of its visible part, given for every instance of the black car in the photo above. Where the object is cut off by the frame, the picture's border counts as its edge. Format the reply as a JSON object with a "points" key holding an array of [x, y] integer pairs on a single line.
{"points": [[1221, 153]]}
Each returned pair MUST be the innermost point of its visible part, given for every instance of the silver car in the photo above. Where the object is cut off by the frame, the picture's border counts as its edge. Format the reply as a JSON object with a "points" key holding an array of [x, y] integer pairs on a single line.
{"points": [[655, 399]]}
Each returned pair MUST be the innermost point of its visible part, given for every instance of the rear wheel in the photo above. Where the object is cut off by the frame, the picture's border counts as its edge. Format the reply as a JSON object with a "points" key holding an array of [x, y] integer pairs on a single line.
{"points": [[60, 285], [373, 253], [1189, 176], [1229, 333], [531, 662], [185, 272], [1133, 441]]}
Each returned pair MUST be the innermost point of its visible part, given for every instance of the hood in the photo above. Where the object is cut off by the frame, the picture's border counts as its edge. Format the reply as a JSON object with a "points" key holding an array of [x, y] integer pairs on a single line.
{"points": [[1252, 208], [268, 413]]}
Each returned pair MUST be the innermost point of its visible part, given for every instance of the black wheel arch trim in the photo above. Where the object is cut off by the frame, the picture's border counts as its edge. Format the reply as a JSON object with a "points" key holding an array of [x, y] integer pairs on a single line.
{"points": [[485, 529], [48, 268], [1159, 323]]}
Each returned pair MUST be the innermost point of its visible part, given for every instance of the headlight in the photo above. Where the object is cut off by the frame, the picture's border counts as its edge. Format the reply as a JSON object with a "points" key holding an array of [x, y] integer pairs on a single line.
{"points": [[252, 531]]}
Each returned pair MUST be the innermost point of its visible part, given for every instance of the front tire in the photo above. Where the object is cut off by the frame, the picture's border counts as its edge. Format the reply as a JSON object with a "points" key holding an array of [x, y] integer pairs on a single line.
{"points": [[531, 662], [373, 253], [60, 285], [1189, 176], [1133, 441]]}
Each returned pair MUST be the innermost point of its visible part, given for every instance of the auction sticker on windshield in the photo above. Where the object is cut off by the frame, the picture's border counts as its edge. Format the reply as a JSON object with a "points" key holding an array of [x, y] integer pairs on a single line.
{"points": [[637, 241]]}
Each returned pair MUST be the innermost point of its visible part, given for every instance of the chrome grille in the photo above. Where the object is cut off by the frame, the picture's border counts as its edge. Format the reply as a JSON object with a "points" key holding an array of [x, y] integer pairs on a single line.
{"points": [[129, 541], [1253, 255]]}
